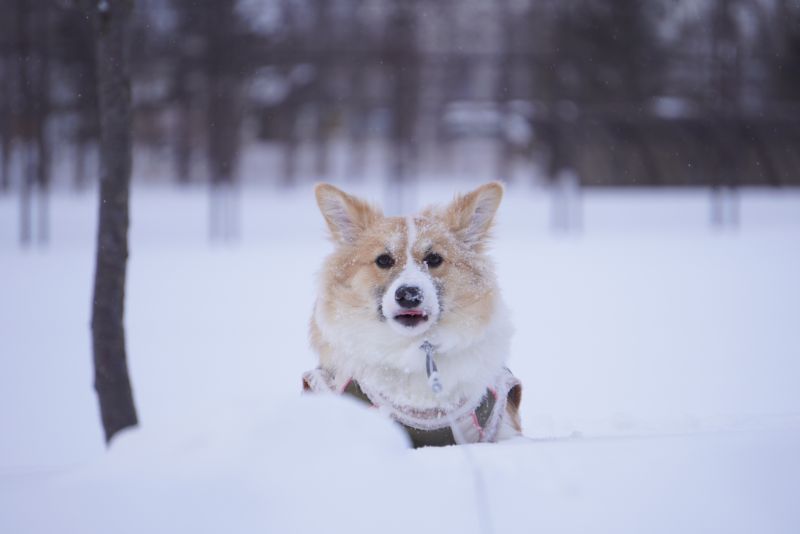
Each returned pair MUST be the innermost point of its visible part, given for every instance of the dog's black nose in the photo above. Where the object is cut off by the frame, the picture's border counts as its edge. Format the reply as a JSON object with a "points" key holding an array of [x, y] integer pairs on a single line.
{"points": [[408, 296]]}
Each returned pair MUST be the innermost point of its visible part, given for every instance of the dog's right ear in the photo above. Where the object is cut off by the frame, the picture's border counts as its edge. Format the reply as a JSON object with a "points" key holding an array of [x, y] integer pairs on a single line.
{"points": [[346, 215], [471, 216]]}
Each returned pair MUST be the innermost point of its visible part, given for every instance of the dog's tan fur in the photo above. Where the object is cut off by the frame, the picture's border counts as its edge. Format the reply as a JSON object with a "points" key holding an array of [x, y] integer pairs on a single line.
{"points": [[351, 283]]}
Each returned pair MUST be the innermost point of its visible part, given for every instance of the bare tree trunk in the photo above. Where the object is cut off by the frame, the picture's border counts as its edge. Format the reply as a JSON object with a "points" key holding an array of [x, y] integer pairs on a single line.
{"points": [[357, 159], [404, 68], [290, 146], [5, 166], [108, 332], [43, 161], [503, 95], [5, 127], [223, 151], [26, 114], [358, 108], [80, 179], [325, 70], [224, 115], [26, 195], [183, 142]]}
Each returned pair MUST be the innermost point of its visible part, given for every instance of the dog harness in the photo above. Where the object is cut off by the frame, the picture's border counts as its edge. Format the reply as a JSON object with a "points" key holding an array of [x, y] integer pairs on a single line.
{"points": [[477, 419]]}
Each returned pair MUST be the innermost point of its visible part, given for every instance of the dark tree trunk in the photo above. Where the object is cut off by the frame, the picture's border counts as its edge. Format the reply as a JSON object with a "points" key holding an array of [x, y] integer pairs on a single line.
{"points": [[33, 64], [108, 333], [43, 155], [404, 68], [5, 165], [290, 146], [325, 71], [358, 108], [25, 124], [224, 119], [503, 94], [80, 179], [5, 127], [183, 142], [26, 195]]}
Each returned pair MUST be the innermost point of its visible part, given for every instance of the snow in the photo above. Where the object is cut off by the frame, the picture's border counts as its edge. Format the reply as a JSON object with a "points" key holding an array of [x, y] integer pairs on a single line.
{"points": [[659, 358]]}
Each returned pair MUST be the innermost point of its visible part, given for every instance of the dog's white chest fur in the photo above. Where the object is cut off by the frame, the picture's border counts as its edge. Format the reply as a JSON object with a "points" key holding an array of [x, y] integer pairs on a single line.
{"points": [[468, 360], [394, 283]]}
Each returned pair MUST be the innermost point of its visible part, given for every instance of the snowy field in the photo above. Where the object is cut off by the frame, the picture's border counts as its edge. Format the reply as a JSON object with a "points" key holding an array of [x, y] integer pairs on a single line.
{"points": [[660, 359]]}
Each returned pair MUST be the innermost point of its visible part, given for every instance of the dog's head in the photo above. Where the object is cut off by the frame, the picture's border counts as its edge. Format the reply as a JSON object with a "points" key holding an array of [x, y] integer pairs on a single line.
{"points": [[407, 278]]}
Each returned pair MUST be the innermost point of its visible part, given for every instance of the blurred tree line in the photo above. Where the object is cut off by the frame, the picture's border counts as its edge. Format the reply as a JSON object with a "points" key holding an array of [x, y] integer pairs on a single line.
{"points": [[654, 92]]}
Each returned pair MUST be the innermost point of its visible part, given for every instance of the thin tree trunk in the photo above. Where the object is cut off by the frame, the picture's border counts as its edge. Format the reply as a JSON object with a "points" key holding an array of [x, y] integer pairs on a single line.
{"points": [[358, 107], [42, 106], [5, 128], [42, 181], [183, 139], [108, 333], [26, 114], [290, 146], [5, 166], [224, 118], [503, 95], [183, 144], [325, 71], [79, 180], [26, 195]]}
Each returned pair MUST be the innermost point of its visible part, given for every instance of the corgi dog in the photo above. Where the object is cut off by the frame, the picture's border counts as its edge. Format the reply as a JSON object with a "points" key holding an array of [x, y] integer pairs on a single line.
{"points": [[398, 292]]}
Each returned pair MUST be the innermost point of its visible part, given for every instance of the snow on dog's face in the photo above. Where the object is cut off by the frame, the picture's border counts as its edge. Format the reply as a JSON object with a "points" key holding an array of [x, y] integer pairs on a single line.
{"points": [[394, 281]]}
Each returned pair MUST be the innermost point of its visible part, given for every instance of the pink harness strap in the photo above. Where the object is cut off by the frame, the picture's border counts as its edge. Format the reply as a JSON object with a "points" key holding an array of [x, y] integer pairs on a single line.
{"points": [[478, 423]]}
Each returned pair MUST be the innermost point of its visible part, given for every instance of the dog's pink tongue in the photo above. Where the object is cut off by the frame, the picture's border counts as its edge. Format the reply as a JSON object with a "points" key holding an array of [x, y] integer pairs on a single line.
{"points": [[413, 312]]}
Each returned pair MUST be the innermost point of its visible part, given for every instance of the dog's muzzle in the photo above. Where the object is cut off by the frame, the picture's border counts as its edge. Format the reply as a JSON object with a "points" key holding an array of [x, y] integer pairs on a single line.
{"points": [[410, 309], [409, 298]]}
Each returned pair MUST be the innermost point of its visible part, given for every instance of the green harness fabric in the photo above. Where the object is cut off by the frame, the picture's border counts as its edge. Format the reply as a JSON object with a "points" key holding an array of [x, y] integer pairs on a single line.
{"points": [[439, 437]]}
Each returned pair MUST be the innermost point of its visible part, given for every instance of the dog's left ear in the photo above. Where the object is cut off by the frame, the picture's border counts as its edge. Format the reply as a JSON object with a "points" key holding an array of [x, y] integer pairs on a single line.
{"points": [[346, 215], [471, 216]]}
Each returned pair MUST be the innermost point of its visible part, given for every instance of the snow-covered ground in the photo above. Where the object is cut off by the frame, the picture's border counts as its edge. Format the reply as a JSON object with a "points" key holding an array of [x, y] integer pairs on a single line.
{"points": [[660, 359]]}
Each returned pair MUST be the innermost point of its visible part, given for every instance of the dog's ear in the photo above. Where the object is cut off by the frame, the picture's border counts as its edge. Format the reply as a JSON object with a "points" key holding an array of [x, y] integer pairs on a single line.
{"points": [[346, 215], [470, 216]]}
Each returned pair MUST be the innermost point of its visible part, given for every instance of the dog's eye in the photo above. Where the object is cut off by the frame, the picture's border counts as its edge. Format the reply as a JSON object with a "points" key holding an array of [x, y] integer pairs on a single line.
{"points": [[384, 261], [433, 260]]}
